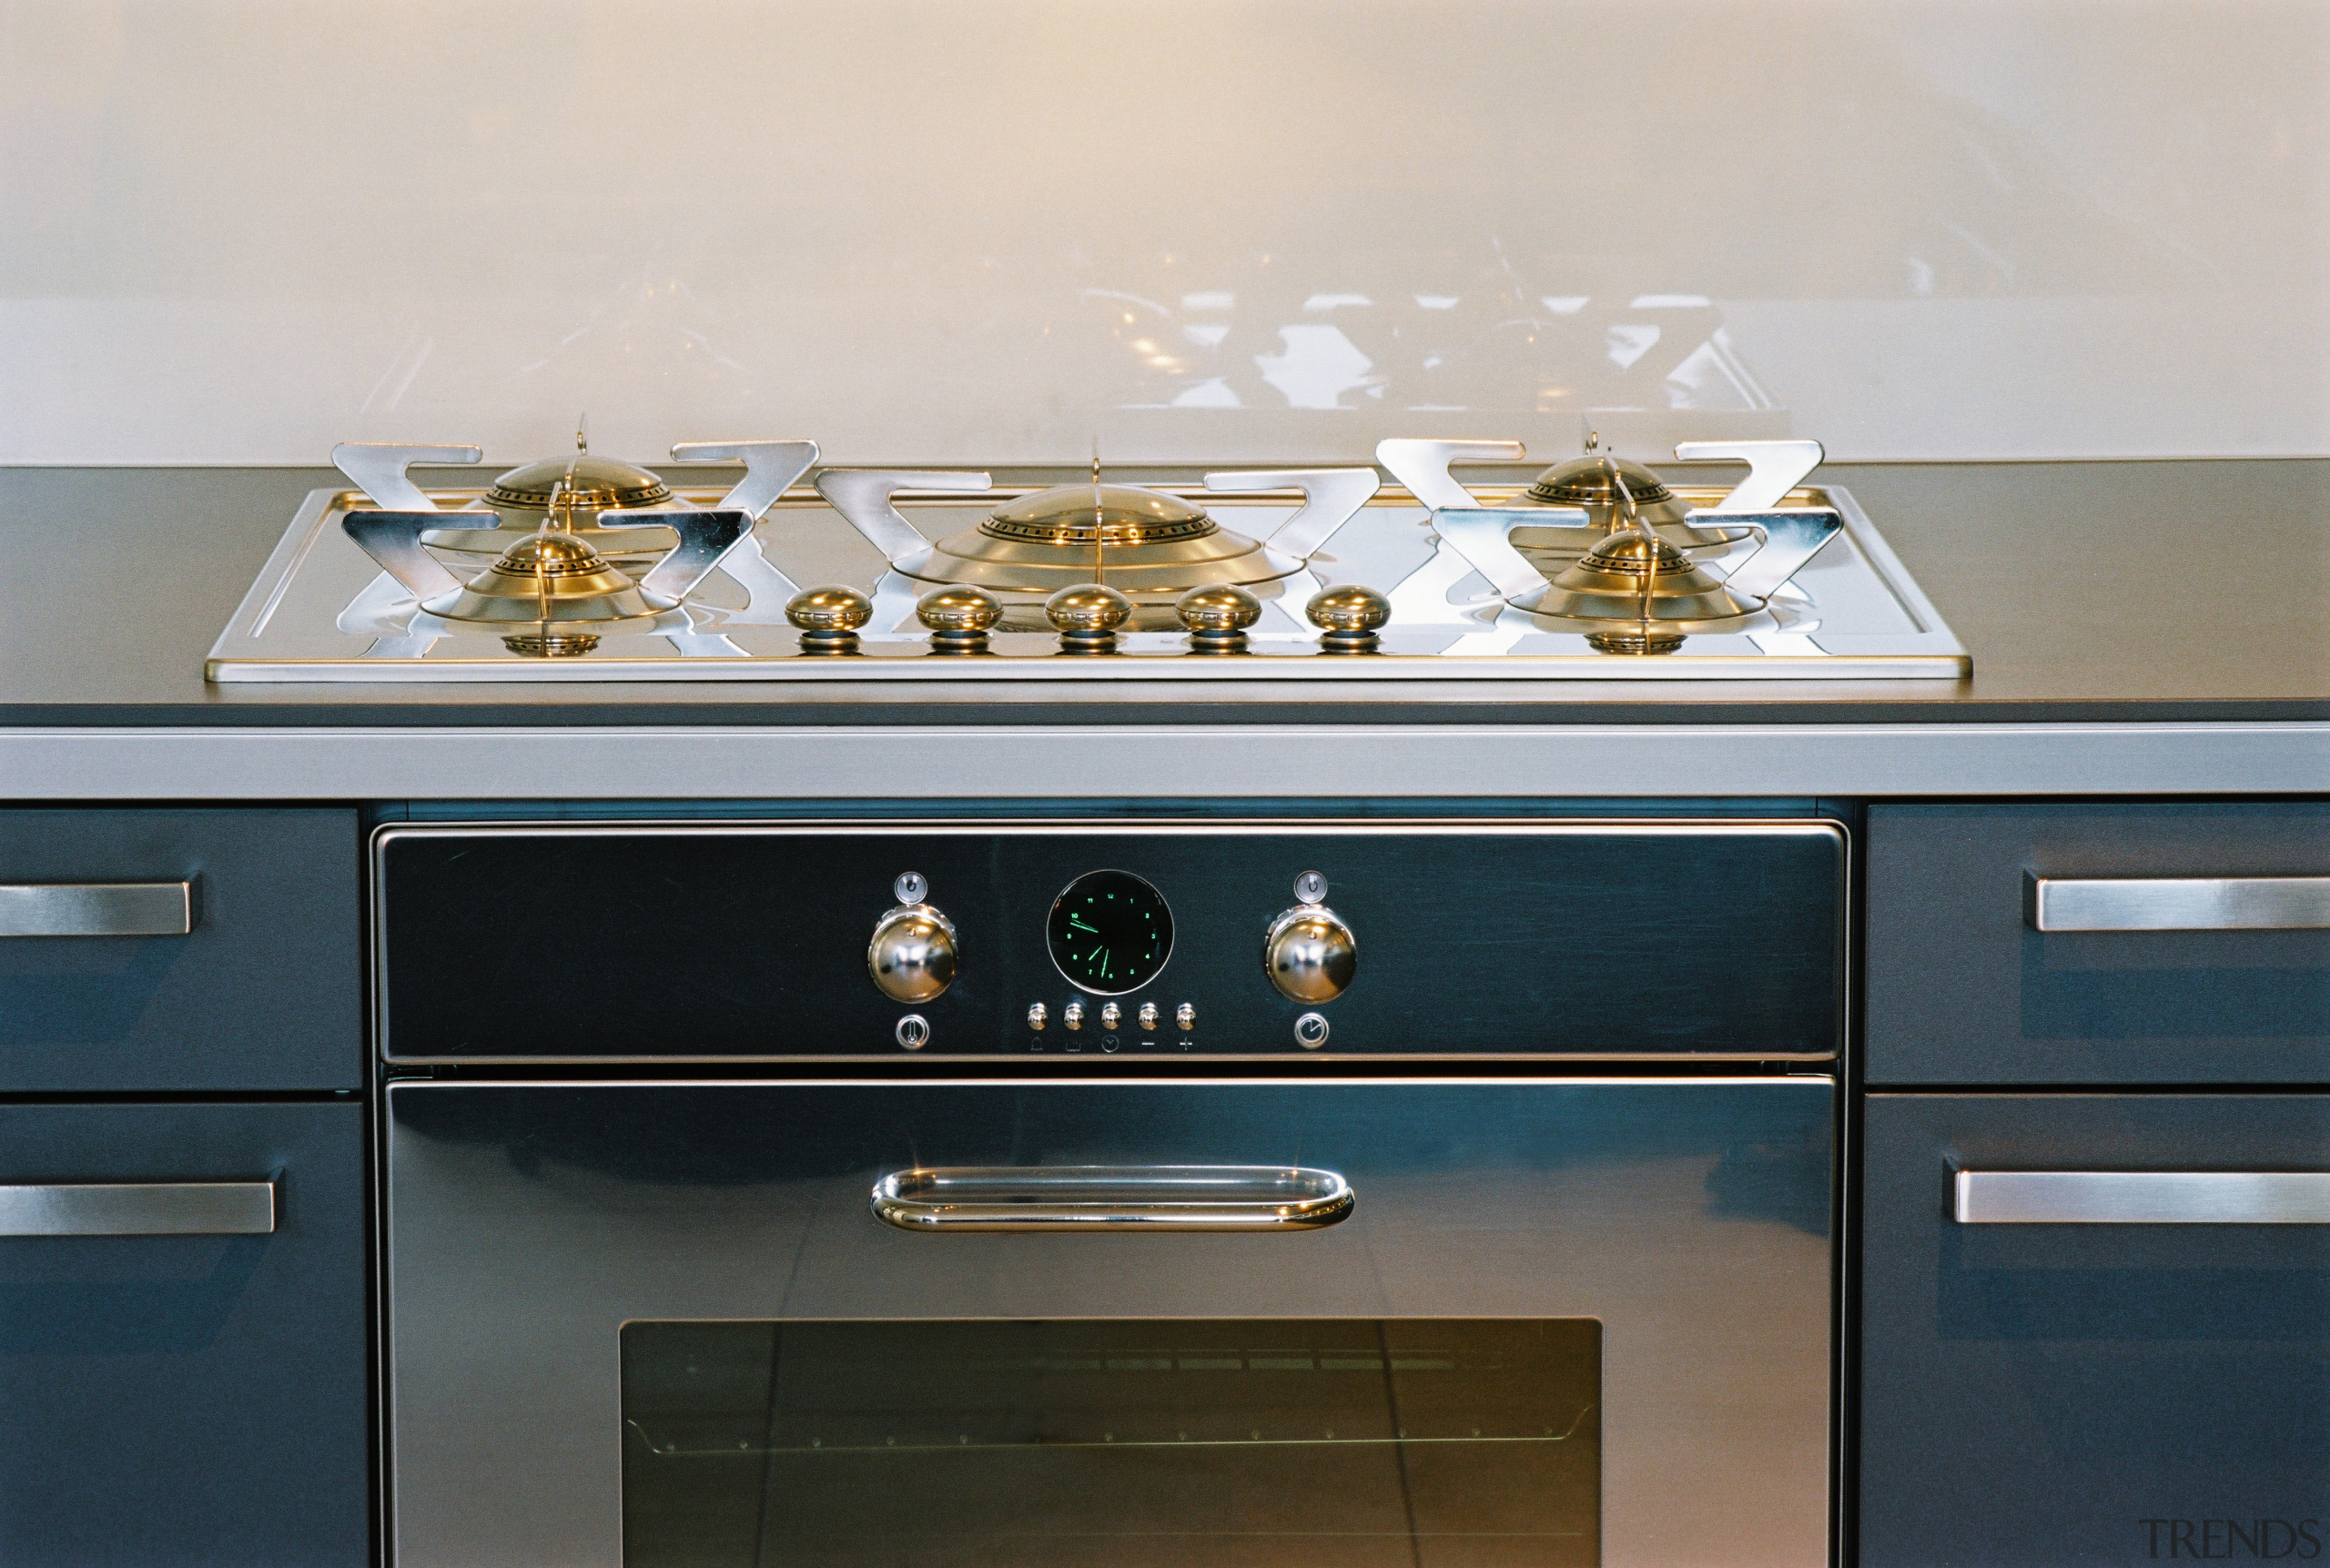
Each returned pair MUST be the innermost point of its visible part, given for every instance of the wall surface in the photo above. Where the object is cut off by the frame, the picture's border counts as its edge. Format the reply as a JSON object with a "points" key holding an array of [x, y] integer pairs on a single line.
{"points": [[998, 230]]}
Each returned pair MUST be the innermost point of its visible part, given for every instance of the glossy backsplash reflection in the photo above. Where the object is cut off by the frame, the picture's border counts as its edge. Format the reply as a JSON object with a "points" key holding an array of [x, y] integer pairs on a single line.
{"points": [[935, 230]]}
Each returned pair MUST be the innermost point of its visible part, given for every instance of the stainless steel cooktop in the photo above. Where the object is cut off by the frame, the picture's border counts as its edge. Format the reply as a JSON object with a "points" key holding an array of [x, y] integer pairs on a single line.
{"points": [[591, 571]]}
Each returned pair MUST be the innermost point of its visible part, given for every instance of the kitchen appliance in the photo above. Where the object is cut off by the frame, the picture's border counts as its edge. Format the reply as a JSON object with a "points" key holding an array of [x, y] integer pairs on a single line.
{"points": [[1600, 571], [1444, 1191]]}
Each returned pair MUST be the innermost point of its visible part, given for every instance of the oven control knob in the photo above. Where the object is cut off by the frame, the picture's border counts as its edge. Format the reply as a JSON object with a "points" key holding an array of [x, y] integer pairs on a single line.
{"points": [[1310, 954], [912, 956]]}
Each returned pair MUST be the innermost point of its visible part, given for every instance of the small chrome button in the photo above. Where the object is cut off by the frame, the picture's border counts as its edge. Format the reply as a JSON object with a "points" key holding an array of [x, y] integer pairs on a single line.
{"points": [[914, 1031], [1073, 1015], [1037, 1015], [911, 886], [1148, 1015], [1311, 887], [1186, 1014], [1310, 1031], [1111, 1015]]}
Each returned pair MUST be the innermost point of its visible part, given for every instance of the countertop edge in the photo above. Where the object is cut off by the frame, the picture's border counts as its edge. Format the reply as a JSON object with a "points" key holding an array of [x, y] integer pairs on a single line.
{"points": [[635, 761]]}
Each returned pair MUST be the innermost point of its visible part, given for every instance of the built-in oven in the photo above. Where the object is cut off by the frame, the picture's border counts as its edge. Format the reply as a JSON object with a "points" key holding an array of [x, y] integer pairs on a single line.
{"points": [[1440, 1194]]}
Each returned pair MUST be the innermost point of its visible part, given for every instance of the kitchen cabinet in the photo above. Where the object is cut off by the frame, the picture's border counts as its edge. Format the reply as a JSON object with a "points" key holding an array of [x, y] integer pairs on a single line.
{"points": [[236, 965], [2094, 1371], [183, 1353], [1964, 988]]}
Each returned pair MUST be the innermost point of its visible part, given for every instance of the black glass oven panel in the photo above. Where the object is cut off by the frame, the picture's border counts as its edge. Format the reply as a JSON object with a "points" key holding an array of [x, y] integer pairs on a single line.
{"points": [[619, 943], [1178, 1443]]}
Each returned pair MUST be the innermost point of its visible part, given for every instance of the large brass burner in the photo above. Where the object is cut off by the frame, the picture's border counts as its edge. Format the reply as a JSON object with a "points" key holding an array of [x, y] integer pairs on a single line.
{"points": [[1592, 484], [585, 486]]}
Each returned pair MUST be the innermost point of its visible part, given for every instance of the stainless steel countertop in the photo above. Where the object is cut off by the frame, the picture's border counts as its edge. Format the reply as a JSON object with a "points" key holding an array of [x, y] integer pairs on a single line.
{"points": [[2135, 627]]}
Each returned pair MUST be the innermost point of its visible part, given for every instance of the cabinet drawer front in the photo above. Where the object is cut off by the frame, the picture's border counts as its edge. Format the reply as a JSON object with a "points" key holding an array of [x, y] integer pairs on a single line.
{"points": [[2126, 1345], [194, 1395], [212, 949], [2099, 944]]}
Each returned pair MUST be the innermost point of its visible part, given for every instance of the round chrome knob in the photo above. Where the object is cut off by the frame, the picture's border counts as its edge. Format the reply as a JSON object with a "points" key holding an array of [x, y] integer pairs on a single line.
{"points": [[1087, 615], [1310, 954], [1349, 615], [912, 956], [828, 618], [959, 617], [1216, 617]]}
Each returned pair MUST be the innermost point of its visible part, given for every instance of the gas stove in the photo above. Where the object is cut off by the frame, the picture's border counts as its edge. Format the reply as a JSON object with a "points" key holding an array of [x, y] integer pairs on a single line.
{"points": [[584, 569]]}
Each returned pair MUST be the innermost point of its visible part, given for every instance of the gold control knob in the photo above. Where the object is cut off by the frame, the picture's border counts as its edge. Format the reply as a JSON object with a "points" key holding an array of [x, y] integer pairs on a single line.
{"points": [[1216, 617], [958, 617], [913, 956], [1087, 615], [1348, 614], [828, 618], [1310, 954]]}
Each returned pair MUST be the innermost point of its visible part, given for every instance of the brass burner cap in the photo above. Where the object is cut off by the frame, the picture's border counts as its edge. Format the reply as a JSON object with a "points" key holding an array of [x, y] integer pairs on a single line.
{"points": [[1631, 555], [1113, 515], [1585, 482], [549, 553], [586, 485], [553, 645], [1636, 640]]}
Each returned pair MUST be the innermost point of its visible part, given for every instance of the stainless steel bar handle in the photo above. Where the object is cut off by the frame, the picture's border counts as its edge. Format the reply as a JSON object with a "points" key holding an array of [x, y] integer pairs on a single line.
{"points": [[2141, 1197], [1266, 1198], [96, 908], [2176, 903], [139, 1208]]}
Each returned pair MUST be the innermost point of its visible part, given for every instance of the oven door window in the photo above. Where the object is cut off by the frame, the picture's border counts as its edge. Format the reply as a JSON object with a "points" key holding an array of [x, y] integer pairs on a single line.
{"points": [[1413, 1442]]}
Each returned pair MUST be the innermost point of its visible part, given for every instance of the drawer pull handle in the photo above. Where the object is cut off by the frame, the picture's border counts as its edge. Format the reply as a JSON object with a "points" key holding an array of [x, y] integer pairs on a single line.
{"points": [[96, 908], [2177, 904], [2142, 1198], [139, 1208], [1114, 1197]]}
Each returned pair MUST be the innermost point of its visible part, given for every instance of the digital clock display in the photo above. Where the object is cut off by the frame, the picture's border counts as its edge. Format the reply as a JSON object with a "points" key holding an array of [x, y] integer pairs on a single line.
{"points": [[1110, 933]]}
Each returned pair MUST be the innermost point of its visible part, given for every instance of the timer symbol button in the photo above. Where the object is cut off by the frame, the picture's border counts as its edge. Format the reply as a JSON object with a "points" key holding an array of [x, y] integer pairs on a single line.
{"points": [[1073, 1015], [1310, 1031], [913, 1031], [1148, 1015], [1111, 1015], [1186, 1015]]}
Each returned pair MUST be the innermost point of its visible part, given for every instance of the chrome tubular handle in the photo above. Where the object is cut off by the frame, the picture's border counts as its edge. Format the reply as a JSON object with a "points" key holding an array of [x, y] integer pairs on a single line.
{"points": [[378, 468], [863, 498], [1330, 498], [1114, 1197], [1423, 466], [139, 1208], [96, 908], [1774, 468], [2141, 1197], [770, 469], [2177, 904]]}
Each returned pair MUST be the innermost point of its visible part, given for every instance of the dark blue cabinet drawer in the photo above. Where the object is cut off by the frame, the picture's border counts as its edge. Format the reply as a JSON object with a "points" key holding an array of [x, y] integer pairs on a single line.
{"points": [[1963, 987], [264, 990], [194, 1399], [2109, 1388]]}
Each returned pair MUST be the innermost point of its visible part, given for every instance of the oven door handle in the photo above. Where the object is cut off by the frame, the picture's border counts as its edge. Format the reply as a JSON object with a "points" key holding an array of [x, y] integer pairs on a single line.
{"points": [[1114, 1197]]}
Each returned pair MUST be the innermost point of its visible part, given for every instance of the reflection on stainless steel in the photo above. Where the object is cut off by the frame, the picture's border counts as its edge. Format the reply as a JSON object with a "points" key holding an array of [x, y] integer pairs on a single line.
{"points": [[1114, 1197], [2141, 1197], [1774, 468], [2176, 903], [582, 1211], [770, 469], [139, 1208], [913, 956], [1310, 954], [96, 908], [1423, 466]]}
